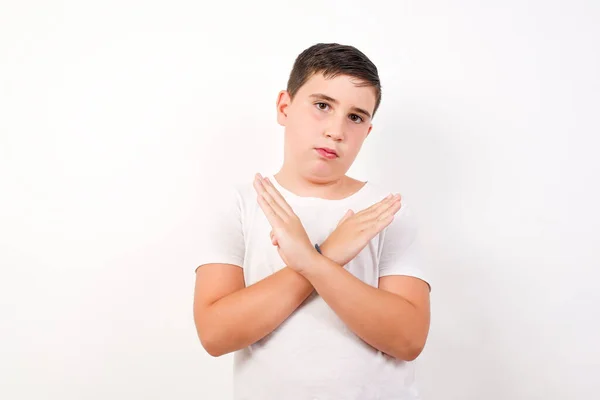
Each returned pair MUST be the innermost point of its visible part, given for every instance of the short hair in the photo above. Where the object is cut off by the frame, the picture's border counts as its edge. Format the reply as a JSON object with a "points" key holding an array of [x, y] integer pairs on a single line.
{"points": [[332, 59]]}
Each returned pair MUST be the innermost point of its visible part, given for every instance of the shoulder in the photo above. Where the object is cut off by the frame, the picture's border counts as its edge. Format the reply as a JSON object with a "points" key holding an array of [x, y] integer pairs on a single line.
{"points": [[231, 188], [223, 196], [233, 195], [244, 192]]}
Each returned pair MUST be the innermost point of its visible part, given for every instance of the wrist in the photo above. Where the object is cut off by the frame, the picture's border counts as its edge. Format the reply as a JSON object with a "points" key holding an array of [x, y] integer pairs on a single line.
{"points": [[326, 251], [318, 268], [312, 263]]}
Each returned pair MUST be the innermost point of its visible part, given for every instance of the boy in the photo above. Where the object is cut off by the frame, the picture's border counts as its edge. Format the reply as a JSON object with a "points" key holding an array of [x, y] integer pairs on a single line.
{"points": [[316, 300]]}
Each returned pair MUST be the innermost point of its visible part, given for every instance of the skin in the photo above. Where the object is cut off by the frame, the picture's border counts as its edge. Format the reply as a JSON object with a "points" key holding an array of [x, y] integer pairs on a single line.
{"points": [[394, 318], [311, 121]]}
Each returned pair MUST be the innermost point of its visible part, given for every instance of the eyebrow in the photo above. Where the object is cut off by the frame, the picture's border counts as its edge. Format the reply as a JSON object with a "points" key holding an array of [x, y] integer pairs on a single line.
{"points": [[322, 96]]}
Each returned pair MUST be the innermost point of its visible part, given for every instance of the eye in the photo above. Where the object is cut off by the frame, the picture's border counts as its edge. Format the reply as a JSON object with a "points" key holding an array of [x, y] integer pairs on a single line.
{"points": [[356, 118], [322, 106]]}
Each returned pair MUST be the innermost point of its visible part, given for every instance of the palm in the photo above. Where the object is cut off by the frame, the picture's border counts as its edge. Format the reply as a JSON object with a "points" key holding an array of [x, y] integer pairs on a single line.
{"points": [[288, 234]]}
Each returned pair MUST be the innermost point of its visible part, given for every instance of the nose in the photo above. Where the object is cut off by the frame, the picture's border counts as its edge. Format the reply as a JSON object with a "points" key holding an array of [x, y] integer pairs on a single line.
{"points": [[336, 129]]}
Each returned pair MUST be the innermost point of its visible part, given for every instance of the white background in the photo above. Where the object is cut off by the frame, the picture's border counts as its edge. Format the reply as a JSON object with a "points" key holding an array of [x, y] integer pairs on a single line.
{"points": [[117, 117]]}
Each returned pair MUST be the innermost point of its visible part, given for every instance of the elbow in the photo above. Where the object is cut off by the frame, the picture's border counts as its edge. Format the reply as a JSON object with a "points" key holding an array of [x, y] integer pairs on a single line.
{"points": [[208, 335], [409, 350], [409, 347], [211, 345], [213, 351], [412, 352]]}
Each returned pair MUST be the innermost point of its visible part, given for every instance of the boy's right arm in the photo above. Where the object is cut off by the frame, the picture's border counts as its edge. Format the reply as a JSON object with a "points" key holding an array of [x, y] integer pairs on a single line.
{"points": [[230, 316]]}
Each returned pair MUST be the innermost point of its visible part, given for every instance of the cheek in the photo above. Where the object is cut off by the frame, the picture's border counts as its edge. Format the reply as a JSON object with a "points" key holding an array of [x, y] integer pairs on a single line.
{"points": [[306, 125], [356, 136], [301, 132]]}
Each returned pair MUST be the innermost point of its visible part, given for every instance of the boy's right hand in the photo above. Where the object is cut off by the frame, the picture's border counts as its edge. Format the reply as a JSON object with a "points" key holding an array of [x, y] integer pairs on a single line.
{"points": [[354, 231]]}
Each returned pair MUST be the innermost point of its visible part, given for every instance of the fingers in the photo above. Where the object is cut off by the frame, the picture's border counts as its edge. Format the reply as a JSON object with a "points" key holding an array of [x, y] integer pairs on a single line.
{"points": [[382, 216], [271, 210], [272, 196], [271, 215], [384, 219], [392, 204], [348, 214], [376, 209], [277, 197], [390, 211], [376, 205]]}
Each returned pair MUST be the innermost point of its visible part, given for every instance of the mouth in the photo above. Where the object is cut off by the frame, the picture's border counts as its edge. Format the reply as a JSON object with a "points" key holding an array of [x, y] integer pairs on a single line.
{"points": [[327, 152]]}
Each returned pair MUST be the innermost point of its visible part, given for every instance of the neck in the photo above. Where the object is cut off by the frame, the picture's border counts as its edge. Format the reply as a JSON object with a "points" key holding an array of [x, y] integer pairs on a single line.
{"points": [[311, 185]]}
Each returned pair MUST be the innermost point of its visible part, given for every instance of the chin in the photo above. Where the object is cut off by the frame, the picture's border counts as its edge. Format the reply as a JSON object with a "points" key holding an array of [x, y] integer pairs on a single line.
{"points": [[324, 172]]}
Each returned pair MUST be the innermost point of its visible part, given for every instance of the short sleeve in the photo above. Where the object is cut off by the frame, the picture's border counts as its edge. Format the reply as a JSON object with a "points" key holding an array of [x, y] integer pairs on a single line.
{"points": [[220, 227], [400, 251]]}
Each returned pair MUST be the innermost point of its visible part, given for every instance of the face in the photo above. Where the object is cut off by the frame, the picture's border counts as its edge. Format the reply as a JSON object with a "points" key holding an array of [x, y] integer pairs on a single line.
{"points": [[325, 113]]}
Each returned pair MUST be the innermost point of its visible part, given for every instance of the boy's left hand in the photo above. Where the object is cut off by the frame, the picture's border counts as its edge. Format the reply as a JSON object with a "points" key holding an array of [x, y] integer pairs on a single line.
{"points": [[288, 234]]}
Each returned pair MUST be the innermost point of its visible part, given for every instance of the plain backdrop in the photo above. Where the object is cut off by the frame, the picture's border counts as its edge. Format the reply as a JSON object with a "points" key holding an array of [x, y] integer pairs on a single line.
{"points": [[118, 117]]}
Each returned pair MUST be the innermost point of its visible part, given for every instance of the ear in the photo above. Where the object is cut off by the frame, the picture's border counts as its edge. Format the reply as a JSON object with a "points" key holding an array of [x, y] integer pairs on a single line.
{"points": [[369, 131], [283, 103]]}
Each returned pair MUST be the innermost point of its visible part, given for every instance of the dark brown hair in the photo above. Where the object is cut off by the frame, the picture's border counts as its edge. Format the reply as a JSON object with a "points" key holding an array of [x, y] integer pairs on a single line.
{"points": [[332, 59]]}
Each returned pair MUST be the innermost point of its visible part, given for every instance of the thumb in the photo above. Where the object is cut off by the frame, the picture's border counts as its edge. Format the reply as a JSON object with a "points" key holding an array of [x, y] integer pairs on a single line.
{"points": [[348, 214]]}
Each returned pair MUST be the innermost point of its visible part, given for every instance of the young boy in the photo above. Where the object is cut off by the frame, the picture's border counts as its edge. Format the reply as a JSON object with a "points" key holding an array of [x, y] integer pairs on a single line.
{"points": [[312, 277]]}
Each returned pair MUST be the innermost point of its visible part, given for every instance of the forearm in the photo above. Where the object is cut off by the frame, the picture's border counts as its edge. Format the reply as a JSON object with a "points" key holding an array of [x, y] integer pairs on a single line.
{"points": [[246, 316], [384, 320]]}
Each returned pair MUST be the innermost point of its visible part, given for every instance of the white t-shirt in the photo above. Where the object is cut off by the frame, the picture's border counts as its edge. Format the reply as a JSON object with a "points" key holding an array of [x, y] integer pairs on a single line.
{"points": [[312, 354]]}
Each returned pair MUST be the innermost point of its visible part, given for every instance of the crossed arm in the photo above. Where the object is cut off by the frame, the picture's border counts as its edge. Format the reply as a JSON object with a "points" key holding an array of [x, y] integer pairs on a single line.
{"points": [[393, 318]]}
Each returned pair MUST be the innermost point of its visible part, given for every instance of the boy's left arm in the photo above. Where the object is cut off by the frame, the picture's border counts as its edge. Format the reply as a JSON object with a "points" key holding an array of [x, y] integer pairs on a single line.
{"points": [[393, 318]]}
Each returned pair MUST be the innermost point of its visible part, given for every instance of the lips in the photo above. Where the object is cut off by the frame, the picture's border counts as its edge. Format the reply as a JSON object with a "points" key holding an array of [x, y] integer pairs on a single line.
{"points": [[326, 153], [328, 150]]}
